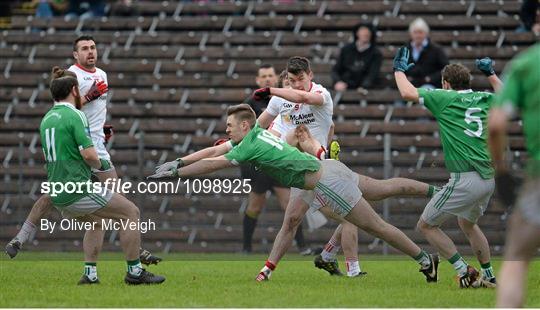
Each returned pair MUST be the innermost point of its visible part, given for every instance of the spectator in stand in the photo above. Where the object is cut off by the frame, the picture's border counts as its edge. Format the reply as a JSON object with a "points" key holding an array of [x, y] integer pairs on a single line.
{"points": [[428, 58], [359, 62], [124, 8], [530, 17], [50, 8], [86, 9]]}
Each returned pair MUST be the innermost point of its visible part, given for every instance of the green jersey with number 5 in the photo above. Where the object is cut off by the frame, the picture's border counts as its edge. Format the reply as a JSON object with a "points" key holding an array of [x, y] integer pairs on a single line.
{"points": [[279, 160], [462, 118], [64, 132]]}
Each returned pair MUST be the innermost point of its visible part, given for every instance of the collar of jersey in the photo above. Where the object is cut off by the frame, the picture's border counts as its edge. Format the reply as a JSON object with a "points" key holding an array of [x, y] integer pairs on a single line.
{"points": [[84, 69], [464, 91], [67, 104]]}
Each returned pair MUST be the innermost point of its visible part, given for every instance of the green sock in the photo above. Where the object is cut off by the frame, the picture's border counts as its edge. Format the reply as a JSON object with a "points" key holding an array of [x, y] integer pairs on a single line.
{"points": [[487, 270], [90, 270], [431, 190], [459, 264], [134, 267], [423, 259]]}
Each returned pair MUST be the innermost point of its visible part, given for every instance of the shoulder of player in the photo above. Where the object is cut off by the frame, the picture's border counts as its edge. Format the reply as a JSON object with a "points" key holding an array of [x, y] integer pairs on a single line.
{"points": [[101, 71], [77, 115]]}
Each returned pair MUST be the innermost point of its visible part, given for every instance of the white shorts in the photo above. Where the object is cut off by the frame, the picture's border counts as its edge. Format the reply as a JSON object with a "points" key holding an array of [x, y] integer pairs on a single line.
{"points": [[88, 204], [466, 195], [337, 189], [99, 145]]}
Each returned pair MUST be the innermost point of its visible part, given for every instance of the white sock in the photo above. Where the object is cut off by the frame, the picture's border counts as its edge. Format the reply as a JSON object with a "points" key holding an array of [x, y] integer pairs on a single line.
{"points": [[135, 269], [461, 267], [91, 272], [330, 250], [353, 266], [27, 230]]}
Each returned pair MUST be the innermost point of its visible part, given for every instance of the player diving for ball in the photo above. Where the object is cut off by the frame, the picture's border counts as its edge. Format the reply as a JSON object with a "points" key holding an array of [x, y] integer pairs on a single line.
{"points": [[305, 103], [329, 180]]}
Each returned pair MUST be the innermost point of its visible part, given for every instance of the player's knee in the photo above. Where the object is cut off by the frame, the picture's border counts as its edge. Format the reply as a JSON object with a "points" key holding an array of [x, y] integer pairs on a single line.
{"points": [[466, 227], [131, 211], [292, 222], [423, 226]]}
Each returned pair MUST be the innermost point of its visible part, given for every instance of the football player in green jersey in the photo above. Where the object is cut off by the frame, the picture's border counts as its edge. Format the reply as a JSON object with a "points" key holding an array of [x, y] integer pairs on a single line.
{"points": [[70, 154], [86, 55], [328, 180], [521, 92], [462, 118]]}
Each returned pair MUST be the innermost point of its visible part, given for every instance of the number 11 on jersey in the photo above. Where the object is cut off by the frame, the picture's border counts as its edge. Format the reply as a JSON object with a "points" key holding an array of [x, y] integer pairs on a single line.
{"points": [[50, 150]]}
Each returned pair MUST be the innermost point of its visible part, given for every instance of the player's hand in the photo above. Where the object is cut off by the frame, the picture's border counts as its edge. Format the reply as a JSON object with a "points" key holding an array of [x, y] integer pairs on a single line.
{"points": [[175, 164], [171, 173], [261, 93], [485, 65], [401, 60], [96, 90], [506, 186]]}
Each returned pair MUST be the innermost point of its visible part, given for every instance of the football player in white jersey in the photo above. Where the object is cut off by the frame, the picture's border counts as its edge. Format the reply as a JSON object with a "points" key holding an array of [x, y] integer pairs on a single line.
{"points": [[314, 117], [92, 83]]}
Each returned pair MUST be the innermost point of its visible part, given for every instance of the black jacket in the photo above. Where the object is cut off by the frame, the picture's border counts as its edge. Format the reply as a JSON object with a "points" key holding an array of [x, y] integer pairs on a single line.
{"points": [[528, 13], [430, 63], [358, 68]]}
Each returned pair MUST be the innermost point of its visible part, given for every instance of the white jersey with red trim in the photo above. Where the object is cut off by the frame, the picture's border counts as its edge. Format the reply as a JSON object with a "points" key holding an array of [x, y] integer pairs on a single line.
{"points": [[317, 118], [96, 110]]}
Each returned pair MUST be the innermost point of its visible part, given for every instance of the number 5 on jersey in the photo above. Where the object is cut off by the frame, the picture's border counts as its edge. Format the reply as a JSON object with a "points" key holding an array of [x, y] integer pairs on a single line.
{"points": [[469, 118], [50, 150]]}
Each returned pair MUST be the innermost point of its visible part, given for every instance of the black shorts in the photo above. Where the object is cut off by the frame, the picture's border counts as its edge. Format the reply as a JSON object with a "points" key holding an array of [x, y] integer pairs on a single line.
{"points": [[260, 182]]}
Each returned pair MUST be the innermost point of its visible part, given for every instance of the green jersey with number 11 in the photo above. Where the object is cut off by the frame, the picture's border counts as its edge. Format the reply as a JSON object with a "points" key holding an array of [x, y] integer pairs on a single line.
{"points": [[284, 163], [462, 118], [64, 132]]}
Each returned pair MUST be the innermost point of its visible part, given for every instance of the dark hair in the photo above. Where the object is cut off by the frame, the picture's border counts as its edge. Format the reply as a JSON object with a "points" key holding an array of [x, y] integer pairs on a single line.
{"points": [[82, 38], [282, 76], [242, 112], [457, 75], [371, 29], [265, 66], [297, 64], [62, 82]]}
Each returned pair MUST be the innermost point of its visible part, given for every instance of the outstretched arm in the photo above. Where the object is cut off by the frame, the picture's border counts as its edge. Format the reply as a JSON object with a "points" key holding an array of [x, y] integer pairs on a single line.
{"points": [[209, 152], [406, 89], [292, 95], [486, 66], [205, 166], [401, 65], [300, 96]]}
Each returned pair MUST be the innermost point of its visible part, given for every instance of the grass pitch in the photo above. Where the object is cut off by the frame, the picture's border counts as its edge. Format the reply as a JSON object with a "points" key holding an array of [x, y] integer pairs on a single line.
{"points": [[217, 280]]}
